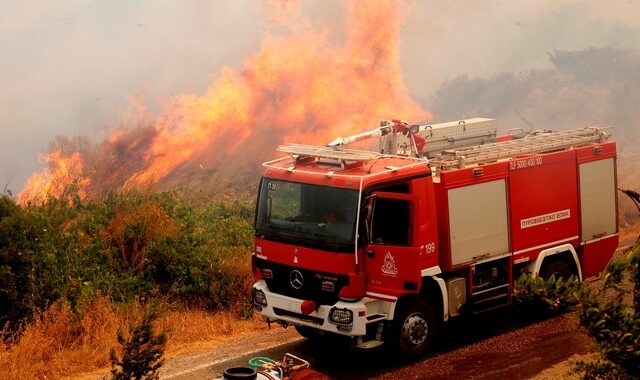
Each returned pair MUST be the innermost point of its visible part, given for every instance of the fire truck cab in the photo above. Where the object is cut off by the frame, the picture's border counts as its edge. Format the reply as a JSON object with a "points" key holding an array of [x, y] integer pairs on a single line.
{"points": [[383, 246]]}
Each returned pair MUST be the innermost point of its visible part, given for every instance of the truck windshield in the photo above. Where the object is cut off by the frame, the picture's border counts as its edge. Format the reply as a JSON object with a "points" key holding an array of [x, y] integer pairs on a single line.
{"points": [[306, 214]]}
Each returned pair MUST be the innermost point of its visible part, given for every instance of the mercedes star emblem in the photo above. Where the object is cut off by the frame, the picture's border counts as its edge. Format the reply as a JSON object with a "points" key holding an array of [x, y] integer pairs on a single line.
{"points": [[296, 279]]}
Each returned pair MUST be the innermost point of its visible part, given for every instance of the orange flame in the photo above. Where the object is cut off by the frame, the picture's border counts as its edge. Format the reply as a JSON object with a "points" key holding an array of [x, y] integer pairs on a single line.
{"points": [[61, 172], [296, 88]]}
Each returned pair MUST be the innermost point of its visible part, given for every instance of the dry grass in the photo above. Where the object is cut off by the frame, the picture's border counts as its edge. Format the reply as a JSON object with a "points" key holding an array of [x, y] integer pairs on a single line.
{"points": [[60, 343], [196, 330]]}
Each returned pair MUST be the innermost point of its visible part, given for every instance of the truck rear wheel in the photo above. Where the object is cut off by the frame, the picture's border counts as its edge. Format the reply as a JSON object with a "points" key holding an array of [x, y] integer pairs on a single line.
{"points": [[557, 267], [414, 328]]}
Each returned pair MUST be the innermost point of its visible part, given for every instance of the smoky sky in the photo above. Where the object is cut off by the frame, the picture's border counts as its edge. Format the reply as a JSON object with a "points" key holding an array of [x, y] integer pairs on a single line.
{"points": [[71, 67]]}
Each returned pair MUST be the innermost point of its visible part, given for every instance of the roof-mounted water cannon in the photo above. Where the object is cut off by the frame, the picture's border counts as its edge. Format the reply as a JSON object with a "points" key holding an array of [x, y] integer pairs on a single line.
{"points": [[398, 137], [386, 127], [404, 139], [387, 132]]}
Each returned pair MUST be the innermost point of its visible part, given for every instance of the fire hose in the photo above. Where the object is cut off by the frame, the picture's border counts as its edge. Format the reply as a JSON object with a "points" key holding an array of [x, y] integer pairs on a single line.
{"points": [[290, 367], [635, 197]]}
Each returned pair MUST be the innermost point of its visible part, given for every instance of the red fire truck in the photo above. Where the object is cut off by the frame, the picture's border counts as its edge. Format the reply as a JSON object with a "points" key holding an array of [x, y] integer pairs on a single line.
{"points": [[439, 221]]}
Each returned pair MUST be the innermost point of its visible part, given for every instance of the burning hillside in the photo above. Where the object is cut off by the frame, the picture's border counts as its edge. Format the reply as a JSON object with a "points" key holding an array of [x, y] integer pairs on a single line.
{"points": [[298, 87]]}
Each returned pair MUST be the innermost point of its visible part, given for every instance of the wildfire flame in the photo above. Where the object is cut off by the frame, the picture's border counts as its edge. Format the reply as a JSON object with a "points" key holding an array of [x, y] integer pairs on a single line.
{"points": [[299, 87], [62, 172]]}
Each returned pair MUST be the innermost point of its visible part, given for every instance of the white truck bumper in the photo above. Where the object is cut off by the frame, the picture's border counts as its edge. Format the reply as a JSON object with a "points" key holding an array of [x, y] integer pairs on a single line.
{"points": [[287, 309]]}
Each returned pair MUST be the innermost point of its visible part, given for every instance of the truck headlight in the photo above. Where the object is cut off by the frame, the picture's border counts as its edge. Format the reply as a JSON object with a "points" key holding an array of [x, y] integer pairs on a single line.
{"points": [[259, 298], [341, 316]]}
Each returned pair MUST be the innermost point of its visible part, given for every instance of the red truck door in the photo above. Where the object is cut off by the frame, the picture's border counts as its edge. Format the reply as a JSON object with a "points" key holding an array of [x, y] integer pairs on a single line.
{"points": [[391, 256]]}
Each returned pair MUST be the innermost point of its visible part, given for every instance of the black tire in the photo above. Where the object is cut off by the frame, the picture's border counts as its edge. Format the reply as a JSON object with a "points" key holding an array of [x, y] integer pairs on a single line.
{"points": [[558, 267], [321, 338], [240, 373], [308, 332], [414, 328]]}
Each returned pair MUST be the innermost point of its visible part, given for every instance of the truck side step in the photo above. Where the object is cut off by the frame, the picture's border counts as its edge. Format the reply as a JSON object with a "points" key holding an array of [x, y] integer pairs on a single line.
{"points": [[368, 344], [489, 299], [376, 338]]}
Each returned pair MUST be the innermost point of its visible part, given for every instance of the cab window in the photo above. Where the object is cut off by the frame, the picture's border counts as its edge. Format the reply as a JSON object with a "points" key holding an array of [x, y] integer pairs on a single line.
{"points": [[391, 222]]}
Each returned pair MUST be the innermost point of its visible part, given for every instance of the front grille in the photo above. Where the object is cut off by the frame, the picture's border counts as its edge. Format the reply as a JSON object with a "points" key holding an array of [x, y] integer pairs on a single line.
{"points": [[315, 285], [307, 318]]}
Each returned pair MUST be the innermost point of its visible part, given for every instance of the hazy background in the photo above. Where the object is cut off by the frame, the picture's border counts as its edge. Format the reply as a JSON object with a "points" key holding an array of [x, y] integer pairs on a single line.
{"points": [[69, 67]]}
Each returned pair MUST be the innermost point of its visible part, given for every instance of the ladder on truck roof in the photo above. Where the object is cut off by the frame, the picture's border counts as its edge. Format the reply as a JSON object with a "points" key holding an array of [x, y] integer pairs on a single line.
{"points": [[339, 155], [533, 144]]}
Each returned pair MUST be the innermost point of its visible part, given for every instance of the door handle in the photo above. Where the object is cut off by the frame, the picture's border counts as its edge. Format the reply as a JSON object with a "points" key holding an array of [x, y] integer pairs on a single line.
{"points": [[371, 254]]}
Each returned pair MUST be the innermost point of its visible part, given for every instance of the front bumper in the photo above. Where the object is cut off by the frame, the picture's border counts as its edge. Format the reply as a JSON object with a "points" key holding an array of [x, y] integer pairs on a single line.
{"points": [[287, 309]]}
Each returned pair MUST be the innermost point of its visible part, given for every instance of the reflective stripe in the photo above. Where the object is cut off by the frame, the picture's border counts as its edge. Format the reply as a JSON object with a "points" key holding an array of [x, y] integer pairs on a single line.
{"points": [[546, 245], [382, 296], [598, 239], [431, 271]]}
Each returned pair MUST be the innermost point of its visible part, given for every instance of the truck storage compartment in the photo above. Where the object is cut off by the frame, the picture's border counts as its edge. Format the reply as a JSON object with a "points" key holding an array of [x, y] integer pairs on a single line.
{"points": [[544, 201], [454, 134], [478, 221], [598, 199], [442, 136]]}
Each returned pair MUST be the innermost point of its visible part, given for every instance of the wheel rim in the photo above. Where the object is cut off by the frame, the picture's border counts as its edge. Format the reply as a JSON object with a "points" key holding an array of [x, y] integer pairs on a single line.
{"points": [[558, 274], [415, 329]]}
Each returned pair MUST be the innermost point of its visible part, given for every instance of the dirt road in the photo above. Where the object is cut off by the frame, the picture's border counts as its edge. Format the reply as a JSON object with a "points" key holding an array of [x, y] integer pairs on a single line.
{"points": [[513, 343]]}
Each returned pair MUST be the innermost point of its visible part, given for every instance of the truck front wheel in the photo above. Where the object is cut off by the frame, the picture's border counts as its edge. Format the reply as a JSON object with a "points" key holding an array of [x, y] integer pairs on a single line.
{"points": [[308, 332], [414, 327]]}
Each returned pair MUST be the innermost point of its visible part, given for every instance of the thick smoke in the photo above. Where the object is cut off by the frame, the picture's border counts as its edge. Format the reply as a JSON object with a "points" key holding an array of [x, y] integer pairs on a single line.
{"points": [[586, 87], [594, 86], [299, 87], [66, 67]]}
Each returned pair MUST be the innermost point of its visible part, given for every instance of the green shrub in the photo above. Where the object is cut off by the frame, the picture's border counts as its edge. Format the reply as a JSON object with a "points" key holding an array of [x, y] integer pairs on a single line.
{"points": [[613, 324], [600, 370], [141, 352], [195, 251]]}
